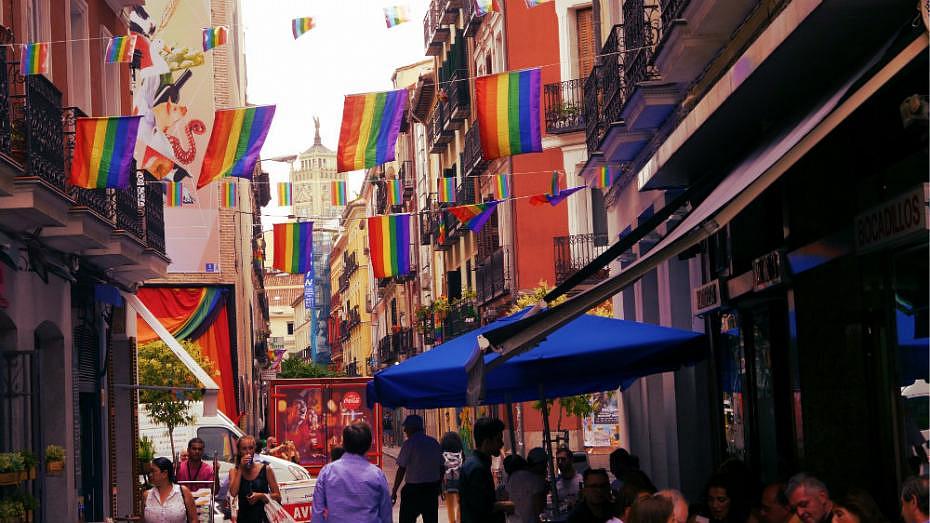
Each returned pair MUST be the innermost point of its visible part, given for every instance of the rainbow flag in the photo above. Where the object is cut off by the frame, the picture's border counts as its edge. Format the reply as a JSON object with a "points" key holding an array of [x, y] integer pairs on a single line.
{"points": [[553, 200], [235, 143], [447, 190], [604, 178], [293, 247], [214, 36], [34, 58], [473, 217], [483, 7], [230, 194], [175, 194], [554, 184], [501, 187], [441, 237], [370, 123], [285, 197], [508, 113], [389, 244], [337, 192], [301, 25], [536, 3], [395, 195], [103, 150], [120, 49], [396, 15]]}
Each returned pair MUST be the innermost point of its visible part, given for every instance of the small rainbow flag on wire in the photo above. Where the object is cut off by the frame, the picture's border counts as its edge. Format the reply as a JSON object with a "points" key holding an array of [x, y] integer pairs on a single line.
{"points": [[293, 247], [214, 36], [389, 244], [395, 194], [301, 25], [120, 49], [370, 123], [396, 15], [230, 194], [508, 113], [175, 194], [536, 3], [554, 184], [501, 187], [473, 217], [34, 58], [554, 199], [604, 178], [447, 190], [337, 192], [285, 196], [103, 150], [441, 233], [483, 7], [235, 143]]}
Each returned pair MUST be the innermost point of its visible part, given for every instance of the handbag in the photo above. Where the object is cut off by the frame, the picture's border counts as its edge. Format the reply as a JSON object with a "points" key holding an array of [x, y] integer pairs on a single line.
{"points": [[276, 513]]}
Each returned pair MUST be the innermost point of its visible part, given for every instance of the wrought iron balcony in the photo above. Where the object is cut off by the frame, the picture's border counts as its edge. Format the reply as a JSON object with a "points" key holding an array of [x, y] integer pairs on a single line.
{"points": [[465, 192], [128, 212], [471, 18], [37, 140], [613, 75], [473, 162], [594, 127], [640, 34], [564, 106], [154, 218], [97, 200], [671, 10], [353, 319], [438, 136], [350, 264], [343, 281], [492, 277], [393, 346], [426, 225], [434, 34], [459, 97], [575, 251], [407, 177], [450, 11], [462, 317], [352, 369]]}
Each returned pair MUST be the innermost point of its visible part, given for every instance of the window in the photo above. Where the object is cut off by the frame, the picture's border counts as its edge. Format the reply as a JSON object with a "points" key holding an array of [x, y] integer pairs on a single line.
{"points": [[78, 58], [37, 25], [290, 328], [584, 32]]}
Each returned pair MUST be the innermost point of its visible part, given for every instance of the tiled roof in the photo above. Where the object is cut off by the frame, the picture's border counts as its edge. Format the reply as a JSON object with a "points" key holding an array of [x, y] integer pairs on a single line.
{"points": [[286, 295]]}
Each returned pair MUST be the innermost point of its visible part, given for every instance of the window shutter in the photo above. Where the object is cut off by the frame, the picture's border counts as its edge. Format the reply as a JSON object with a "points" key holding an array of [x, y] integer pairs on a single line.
{"points": [[584, 29]]}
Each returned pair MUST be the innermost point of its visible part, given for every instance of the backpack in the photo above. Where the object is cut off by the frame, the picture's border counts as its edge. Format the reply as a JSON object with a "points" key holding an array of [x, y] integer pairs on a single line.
{"points": [[452, 462]]}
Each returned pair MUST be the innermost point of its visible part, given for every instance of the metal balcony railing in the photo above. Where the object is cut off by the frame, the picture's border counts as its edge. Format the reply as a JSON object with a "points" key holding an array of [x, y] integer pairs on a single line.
{"points": [[613, 76], [459, 97], [564, 106], [393, 346], [492, 277], [593, 110], [575, 251], [350, 264], [434, 34], [671, 10], [461, 318], [37, 140], [465, 192], [438, 136], [473, 162], [128, 213], [352, 369], [640, 33], [154, 218], [343, 281], [426, 226], [472, 20], [96, 200], [407, 178]]}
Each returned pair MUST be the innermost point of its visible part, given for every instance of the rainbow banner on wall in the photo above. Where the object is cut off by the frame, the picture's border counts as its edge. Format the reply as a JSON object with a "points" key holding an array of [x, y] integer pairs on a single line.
{"points": [[395, 194], [293, 247], [604, 179], [370, 123], [301, 25], [473, 217], [446, 190], [501, 187], [396, 15], [230, 195], [285, 194], [483, 7], [214, 36], [389, 244], [235, 143], [103, 150], [174, 194], [34, 58], [337, 192], [120, 49], [508, 113]]}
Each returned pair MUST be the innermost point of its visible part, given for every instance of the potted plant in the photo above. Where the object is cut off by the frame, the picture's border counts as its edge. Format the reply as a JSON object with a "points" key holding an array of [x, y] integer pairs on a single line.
{"points": [[54, 460], [29, 464], [12, 511], [145, 453], [11, 468]]}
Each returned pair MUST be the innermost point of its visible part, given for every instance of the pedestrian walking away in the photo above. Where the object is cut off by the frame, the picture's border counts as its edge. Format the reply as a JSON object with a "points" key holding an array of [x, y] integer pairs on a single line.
{"points": [[476, 486], [167, 501], [453, 457], [251, 484], [352, 489], [420, 464], [527, 487]]}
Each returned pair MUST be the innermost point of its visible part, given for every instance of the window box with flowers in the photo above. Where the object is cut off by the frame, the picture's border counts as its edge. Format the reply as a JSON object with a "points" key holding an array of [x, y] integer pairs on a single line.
{"points": [[12, 468], [54, 460]]}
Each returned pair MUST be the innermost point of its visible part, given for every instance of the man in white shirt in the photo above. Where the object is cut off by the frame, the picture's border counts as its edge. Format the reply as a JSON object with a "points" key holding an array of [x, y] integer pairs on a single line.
{"points": [[569, 480], [420, 463], [527, 488]]}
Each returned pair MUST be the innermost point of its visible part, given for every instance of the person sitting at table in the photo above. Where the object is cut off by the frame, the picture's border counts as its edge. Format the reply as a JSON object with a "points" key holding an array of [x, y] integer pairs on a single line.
{"points": [[595, 504]]}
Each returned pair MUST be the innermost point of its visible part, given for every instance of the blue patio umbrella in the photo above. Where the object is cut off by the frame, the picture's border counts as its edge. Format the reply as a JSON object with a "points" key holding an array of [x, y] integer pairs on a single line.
{"points": [[589, 354]]}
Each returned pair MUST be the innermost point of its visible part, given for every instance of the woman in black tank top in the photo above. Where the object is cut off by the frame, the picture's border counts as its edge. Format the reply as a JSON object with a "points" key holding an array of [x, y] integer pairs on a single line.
{"points": [[250, 482]]}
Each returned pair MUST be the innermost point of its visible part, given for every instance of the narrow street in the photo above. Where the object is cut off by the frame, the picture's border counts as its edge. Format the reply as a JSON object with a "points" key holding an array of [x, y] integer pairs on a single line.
{"points": [[390, 470]]}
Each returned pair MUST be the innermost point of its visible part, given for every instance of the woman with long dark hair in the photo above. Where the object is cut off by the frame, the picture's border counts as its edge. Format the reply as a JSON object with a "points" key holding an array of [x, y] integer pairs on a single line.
{"points": [[251, 484], [166, 501], [452, 457]]}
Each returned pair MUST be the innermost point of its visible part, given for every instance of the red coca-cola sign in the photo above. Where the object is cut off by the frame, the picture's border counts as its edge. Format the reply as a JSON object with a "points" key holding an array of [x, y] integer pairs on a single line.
{"points": [[352, 400]]}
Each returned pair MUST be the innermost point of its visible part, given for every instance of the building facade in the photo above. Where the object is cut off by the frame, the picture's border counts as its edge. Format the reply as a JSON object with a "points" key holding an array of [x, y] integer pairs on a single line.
{"points": [[311, 175], [350, 306]]}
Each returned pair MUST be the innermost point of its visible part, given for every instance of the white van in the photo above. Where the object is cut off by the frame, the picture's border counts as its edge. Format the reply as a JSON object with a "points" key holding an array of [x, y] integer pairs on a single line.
{"points": [[219, 435]]}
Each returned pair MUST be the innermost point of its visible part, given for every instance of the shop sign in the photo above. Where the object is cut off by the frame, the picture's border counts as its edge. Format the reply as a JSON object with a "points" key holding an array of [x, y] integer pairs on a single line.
{"points": [[893, 220], [269, 374], [768, 270], [602, 427], [706, 298]]}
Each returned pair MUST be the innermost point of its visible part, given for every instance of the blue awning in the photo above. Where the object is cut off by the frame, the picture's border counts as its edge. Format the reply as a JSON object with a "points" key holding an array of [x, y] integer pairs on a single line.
{"points": [[589, 354]]}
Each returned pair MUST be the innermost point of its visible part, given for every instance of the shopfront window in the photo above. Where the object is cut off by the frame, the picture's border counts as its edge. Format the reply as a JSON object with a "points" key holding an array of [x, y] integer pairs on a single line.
{"points": [[732, 371]]}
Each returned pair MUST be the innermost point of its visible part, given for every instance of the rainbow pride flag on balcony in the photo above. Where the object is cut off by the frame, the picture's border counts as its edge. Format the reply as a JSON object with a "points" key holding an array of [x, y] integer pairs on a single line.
{"points": [[34, 58], [301, 25], [605, 178], [473, 217], [337, 192], [389, 244], [395, 195], [235, 142], [214, 36], [293, 247], [120, 49], [501, 187], [103, 150], [446, 190], [230, 195], [508, 113], [174, 192], [396, 15], [285, 194], [483, 7], [370, 123]]}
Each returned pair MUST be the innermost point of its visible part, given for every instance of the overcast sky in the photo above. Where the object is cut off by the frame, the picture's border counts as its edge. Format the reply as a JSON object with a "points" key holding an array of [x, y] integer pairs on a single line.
{"points": [[350, 50]]}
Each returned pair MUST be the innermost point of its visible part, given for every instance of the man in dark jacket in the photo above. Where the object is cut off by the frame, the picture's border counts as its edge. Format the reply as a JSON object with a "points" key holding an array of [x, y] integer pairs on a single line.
{"points": [[476, 487]]}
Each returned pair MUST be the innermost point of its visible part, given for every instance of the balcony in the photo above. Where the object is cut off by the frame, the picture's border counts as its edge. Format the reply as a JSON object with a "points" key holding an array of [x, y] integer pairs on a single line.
{"points": [[459, 104], [352, 369], [471, 18], [154, 218], [343, 281], [393, 347], [350, 264], [493, 278], [575, 251], [407, 178], [564, 106], [473, 162], [438, 136], [434, 34], [426, 226], [461, 317], [353, 319], [465, 192], [594, 127], [450, 11]]}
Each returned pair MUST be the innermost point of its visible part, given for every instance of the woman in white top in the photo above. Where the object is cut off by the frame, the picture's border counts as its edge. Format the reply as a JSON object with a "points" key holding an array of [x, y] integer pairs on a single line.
{"points": [[166, 501]]}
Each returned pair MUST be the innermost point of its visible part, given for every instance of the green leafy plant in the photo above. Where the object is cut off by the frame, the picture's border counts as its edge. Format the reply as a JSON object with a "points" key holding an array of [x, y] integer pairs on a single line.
{"points": [[296, 367], [145, 450], [159, 366], [11, 509], [29, 459], [12, 462], [54, 453]]}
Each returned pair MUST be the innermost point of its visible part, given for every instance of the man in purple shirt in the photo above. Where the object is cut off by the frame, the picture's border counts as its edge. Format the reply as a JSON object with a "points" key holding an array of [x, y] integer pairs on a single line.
{"points": [[351, 489]]}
